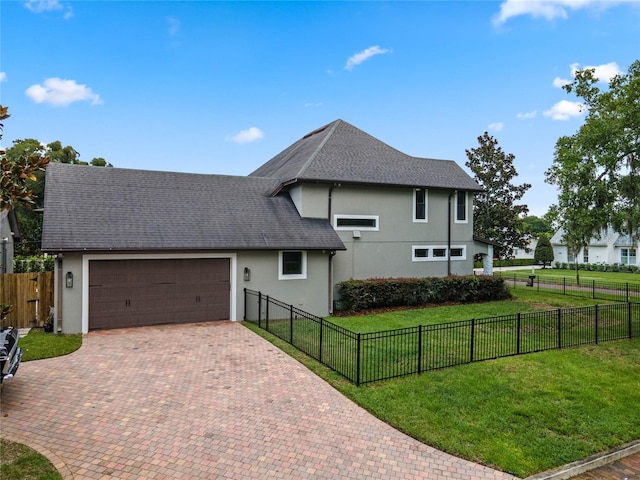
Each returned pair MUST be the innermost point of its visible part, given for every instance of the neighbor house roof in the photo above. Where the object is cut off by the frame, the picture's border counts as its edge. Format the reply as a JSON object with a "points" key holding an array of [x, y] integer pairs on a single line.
{"points": [[113, 209], [340, 152], [10, 217]]}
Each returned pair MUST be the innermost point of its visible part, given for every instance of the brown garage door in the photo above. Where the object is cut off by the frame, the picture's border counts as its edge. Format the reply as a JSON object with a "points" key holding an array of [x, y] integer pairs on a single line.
{"points": [[130, 293]]}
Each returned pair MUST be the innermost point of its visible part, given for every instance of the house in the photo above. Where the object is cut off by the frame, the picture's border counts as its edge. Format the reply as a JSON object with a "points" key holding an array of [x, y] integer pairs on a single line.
{"points": [[140, 247], [9, 235], [609, 248]]}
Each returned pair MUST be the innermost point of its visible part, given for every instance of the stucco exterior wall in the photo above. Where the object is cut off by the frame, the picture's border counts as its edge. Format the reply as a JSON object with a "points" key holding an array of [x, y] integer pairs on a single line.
{"points": [[310, 294], [388, 251]]}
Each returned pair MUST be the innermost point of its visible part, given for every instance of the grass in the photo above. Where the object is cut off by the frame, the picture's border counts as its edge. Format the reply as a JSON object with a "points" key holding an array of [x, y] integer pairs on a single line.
{"points": [[522, 414], [19, 462], [585, 275], [37, 345]]}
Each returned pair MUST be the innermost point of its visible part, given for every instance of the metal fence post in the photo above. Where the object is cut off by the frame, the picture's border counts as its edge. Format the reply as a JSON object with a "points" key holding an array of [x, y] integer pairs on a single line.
{"points": [[291, 324], [244, 315], [630, 315], [559, 328], [320, 340], [260, 309], [596, 323], [518, 336], [627, 291], [593, 289], [358, 361], [564, 285], [473, 328], [267, 314], [419, 348]]}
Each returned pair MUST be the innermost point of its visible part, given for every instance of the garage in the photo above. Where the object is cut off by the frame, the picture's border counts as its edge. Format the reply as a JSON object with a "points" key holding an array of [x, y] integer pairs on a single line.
{"points": [[136, 292]]}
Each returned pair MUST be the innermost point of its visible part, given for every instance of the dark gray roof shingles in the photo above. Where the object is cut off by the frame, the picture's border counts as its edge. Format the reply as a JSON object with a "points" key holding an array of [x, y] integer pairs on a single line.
{"points": [[340, 152], [111, 209]]}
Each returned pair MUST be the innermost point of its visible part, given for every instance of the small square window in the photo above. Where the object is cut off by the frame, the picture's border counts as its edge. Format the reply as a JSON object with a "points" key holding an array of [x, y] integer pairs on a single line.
{"points": [[292, 265]]}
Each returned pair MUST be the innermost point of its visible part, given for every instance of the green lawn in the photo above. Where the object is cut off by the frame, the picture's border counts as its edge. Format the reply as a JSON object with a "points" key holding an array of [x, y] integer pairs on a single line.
{"points": [[522, 414], [18, 462], [37, 345], [585, 275]]}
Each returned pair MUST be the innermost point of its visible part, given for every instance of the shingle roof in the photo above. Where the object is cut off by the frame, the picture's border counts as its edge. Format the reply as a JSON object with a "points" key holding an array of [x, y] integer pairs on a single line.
{"points": [[340, 152], [112, 209]]}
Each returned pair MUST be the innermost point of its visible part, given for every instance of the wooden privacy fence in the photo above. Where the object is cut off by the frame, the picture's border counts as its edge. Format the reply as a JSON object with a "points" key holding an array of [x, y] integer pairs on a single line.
{"points": [[19, 291]]}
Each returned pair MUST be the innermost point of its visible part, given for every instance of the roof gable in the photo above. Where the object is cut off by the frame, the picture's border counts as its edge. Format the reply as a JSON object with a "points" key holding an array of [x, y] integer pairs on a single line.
{"points": [[93, 208], [340, 152]]}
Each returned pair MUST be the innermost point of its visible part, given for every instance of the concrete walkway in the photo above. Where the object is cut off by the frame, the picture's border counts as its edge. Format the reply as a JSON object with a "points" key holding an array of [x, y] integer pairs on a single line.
{"points": [[204, 401]]}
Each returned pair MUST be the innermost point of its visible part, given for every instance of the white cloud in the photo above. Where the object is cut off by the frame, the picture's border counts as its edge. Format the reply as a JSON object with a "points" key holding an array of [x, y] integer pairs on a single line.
{"points": [[39, 6], [3, 77], [313, 105], [496, 127], [246, 136], [527, 115], [564, 110], [547, 9], [360, 57], [560, 82], [58, 92], [604, 73]]}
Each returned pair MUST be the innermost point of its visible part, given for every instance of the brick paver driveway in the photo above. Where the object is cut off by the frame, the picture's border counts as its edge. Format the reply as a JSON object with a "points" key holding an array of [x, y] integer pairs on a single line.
{"points": [[204, 401]]}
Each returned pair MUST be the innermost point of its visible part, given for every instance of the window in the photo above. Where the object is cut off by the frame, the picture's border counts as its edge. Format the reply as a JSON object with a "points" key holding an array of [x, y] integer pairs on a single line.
{"points": [[628, 256], [440, 253], [424, 253], [292, 265], [420, 205], [356, 222], [585, 255], [461, 207]]}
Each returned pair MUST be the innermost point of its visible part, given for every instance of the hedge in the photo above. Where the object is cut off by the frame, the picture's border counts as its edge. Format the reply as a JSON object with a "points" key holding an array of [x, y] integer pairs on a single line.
{"points": [[358, 295], [36, 263]]}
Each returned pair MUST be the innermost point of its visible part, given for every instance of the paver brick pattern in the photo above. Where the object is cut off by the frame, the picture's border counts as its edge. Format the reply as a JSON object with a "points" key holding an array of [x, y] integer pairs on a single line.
{"points": [[204, 401]]}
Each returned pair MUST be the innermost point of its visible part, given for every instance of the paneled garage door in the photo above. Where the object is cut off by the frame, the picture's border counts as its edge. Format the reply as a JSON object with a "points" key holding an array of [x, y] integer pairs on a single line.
{"points": [[130, 293]]}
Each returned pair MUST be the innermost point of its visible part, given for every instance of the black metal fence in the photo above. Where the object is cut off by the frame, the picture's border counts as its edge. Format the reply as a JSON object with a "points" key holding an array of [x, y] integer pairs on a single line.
{"points": [[370, 357], [595, 289]]}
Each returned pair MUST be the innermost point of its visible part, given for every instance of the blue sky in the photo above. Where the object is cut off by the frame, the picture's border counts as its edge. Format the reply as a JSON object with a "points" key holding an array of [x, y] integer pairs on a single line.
{"points": [[221, 87]]}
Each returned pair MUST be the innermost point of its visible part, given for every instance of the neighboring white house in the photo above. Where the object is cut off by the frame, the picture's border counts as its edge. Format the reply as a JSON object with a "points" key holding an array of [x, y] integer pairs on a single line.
{"points": [[526, 253], [611, 248]]}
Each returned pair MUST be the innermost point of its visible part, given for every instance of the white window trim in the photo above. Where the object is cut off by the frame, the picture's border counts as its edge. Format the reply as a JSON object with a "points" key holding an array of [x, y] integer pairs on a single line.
{"points": [[297, 276], [431, 258], [466, 208], [364, 229], [426, 206]]}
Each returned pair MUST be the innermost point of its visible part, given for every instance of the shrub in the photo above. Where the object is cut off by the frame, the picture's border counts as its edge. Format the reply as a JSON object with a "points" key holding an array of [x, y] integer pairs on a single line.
{"points": [[36, 263], [395, 292]]}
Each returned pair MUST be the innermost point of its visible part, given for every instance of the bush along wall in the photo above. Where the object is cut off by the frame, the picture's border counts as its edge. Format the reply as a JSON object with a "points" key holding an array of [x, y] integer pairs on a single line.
{"points": [[36, 263], [358, 295]]}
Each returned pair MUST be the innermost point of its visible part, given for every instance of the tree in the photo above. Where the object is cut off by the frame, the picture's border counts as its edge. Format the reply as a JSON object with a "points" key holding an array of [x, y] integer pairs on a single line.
{"points": [[496, 216], [30, 219], [597, 170], [536, 225], [16, 174], [544, 251]]}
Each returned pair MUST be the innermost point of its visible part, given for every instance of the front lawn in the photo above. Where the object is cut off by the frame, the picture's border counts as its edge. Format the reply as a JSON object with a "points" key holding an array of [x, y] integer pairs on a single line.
{"points": [[521, 414], [19, 462], [37, 345]]}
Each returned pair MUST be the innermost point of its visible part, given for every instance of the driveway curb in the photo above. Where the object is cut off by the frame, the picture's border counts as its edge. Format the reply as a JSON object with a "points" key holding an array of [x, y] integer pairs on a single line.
{"points": [[590, 463]]}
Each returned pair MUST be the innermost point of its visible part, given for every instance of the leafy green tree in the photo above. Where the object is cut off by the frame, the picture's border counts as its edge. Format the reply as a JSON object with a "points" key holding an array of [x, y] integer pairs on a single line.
{"points": [[30, 219], [17, 173], [544, 251], [536, 225], [597, 170], [496, 216]]}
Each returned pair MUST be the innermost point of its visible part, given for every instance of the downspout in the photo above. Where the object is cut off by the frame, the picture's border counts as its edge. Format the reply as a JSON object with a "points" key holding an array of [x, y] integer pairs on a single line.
{"points": [[331, 255], [449, 232], [59, 282]]}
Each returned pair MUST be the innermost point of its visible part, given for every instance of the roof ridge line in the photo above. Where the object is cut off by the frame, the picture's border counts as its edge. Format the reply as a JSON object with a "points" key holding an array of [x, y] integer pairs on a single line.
{"points": [[318, 148]]}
